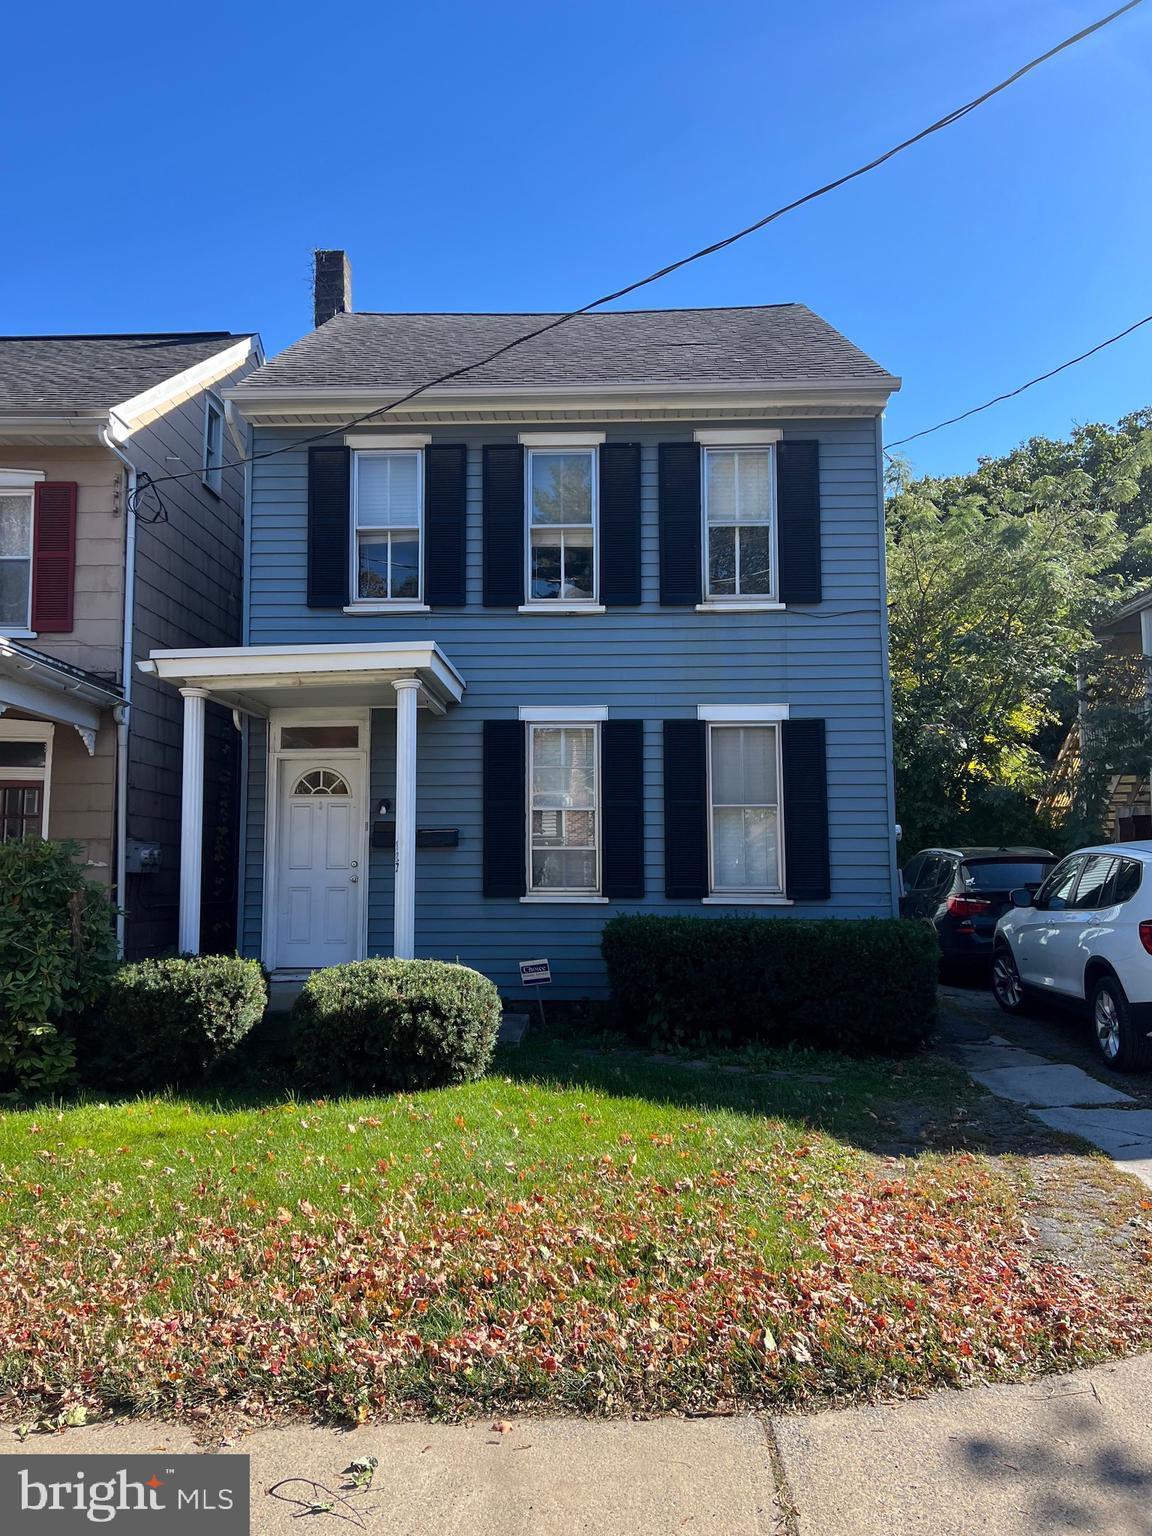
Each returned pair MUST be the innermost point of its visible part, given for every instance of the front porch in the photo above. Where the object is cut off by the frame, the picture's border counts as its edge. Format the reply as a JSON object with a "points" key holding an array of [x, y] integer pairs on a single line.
{"points": [[315, 702]]}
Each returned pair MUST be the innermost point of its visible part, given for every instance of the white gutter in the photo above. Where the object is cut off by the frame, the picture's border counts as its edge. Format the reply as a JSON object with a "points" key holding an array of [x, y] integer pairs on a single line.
{"points": [[123, 712]]}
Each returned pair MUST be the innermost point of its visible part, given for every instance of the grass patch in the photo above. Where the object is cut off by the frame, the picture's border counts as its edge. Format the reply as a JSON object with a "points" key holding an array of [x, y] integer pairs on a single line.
{"points": [[576, 1231]]}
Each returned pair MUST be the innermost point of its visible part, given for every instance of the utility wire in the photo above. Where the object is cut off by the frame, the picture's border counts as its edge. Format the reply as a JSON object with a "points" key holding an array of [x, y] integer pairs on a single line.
{"points": [[1012, 393], [709, 250]]}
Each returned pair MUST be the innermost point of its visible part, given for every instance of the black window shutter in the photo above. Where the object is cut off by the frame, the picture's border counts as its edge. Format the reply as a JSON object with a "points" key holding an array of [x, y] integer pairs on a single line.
{"points": [[503, 525], [445, 510], [505, 828], [619, 524], [798, 513], [685, 810], [622, 813], [679, 524], [805, 810], [329, 525]]}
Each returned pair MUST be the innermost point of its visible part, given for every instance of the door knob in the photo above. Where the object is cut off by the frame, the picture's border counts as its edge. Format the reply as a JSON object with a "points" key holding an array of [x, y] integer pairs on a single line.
{"points": [[353, 879]]}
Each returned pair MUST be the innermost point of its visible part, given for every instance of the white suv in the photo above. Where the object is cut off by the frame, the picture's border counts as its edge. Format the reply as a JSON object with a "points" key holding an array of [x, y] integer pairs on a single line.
{"points": [[1086, 935]]}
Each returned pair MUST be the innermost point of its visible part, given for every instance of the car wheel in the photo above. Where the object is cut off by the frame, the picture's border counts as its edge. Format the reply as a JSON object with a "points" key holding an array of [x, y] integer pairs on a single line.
{"points": [[1007, 988], [1124, 1047]]}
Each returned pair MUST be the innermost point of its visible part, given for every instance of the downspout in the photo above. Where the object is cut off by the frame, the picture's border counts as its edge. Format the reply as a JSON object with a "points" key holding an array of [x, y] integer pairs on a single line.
{"points": [[124, 711]]}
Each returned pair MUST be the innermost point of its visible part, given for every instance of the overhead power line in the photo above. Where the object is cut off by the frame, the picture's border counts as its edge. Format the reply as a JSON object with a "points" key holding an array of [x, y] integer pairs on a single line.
{"points": [[674, 266], [1019, 390]]}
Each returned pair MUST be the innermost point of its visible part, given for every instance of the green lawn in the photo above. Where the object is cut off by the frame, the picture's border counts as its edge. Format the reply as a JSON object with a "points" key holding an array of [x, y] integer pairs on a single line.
{"points": [[581, 1232]]}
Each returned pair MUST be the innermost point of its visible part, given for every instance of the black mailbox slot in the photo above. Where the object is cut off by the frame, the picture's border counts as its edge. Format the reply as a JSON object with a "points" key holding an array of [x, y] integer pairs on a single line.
{"points": [[384, 836]]}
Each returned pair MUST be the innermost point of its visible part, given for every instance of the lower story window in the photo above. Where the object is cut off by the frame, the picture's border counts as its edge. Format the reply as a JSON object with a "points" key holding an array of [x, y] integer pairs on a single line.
{"points": [[744, 779], [563, 790], [25, 755]]}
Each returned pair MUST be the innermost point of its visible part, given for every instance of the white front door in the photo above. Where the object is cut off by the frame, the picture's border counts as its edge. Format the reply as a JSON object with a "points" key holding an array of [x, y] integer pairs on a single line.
{"points": [[319, 878]]}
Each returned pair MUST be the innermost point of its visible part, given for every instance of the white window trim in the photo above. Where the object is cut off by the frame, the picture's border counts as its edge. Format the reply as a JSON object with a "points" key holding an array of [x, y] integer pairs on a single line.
{"points": [[573, 714], [18, 482], [32, 730], [385, 604], [740, 605], [738, 437], [737, 601], [742, 714], [562, 604], [561, 895], [562, 439], [362, 441], [751, 895], [212, 475]]}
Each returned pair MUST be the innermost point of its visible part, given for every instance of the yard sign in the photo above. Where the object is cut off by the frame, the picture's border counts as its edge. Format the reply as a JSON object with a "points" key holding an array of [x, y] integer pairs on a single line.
{"points": [[535, 973]]}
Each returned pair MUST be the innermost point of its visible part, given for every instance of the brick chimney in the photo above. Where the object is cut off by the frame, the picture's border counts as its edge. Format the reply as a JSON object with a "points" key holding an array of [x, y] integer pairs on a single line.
{"points": [[331, 285]]}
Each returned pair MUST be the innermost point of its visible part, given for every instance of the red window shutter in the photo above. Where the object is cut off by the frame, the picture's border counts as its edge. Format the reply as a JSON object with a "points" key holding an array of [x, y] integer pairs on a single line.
{"points": [[54, 557]]}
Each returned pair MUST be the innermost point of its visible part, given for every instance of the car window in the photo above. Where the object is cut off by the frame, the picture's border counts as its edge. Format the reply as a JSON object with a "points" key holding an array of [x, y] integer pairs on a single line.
{"points": [[1091, 887], [1125, 882], [912, 872], [1005, 875], [931, 872], [1055, 891]]}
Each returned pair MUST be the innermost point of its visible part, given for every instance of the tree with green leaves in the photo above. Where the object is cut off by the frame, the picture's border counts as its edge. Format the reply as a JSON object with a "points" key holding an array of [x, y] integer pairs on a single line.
{"points": [[996, 580]]}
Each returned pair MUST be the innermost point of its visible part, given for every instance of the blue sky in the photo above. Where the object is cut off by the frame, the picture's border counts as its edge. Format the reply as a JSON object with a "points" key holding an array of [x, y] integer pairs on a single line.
{"points": [[169, 168]]}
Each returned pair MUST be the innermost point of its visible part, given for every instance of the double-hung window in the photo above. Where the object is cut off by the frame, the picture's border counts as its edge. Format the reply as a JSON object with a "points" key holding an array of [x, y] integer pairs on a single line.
{"points": [[738, 523], [212, 473], [744, 787], [387, 497], [25, 765], [16, 519], [562, 493], [563, 809]]}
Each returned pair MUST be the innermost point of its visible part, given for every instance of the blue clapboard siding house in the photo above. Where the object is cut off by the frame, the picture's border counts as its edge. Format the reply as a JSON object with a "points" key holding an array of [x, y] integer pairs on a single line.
{"points": [[597, 627]]}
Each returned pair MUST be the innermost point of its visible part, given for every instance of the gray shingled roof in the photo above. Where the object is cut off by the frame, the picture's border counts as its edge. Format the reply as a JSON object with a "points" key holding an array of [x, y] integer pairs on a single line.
{"points": [[52, 374], [775, 344]]}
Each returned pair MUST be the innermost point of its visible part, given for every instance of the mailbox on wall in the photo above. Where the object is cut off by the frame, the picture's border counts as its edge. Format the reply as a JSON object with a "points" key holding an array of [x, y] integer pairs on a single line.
{"points": [[384, 836]]}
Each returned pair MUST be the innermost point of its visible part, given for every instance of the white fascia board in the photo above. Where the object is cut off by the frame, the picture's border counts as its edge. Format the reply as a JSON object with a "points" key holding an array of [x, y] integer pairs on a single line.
{"points": [[58, 704], [563, 714], [741, 714], [129, 414]]}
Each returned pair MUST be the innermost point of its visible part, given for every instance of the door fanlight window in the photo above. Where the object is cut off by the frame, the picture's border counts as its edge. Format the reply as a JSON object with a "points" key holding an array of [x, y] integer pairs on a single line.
{"points": [[321, 781]]}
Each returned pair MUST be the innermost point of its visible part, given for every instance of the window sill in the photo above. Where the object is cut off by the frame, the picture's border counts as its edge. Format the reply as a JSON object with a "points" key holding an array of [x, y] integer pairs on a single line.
{"points": [[539, 899], [396, 606], [746, 901], [737, 605], [18, 634], [562, 608]]}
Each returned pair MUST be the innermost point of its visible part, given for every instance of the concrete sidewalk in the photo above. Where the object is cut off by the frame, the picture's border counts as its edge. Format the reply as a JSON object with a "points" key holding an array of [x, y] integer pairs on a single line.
{"points": [[1066, 1453]]}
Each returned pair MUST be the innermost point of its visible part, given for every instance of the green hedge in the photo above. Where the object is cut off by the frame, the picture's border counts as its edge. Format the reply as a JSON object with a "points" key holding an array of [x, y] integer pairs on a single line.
{"points": [[174, 1020], [859, 986], [396, 1024]]}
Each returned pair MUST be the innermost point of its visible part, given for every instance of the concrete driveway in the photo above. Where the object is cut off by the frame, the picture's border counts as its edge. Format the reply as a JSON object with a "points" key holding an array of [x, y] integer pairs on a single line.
{"points": [[1047, 1063]]}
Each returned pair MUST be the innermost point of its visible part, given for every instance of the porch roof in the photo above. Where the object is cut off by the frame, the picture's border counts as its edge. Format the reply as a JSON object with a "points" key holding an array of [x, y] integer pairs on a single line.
{"points": [[259, 678], [43, 685]]}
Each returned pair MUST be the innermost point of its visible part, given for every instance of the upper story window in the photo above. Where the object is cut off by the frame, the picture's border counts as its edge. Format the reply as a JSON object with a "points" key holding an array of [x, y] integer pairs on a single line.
{"points": [[387, 497], [744, 782], [738, 523], [16, 518], [562, 494], [213, 473]]}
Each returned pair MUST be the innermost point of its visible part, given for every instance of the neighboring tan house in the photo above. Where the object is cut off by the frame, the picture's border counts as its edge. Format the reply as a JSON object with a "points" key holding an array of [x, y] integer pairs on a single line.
{"points": [[96, 568], [596, 628], [1125, 681]]}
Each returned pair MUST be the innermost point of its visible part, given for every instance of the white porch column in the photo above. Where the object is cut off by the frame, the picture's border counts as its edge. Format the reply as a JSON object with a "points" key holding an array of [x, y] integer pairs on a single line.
{"points": [[404, 922], [191, 819]]}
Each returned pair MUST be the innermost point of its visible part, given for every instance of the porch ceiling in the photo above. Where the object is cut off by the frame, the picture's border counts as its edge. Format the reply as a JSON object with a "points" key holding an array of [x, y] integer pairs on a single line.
{"points": [[260, 678]]}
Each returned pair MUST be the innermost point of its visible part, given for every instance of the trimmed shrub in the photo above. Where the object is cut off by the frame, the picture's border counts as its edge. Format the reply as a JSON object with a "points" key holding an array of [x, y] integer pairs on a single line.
{"points": [[57, 951], [174, 1020], [396, 1024], [836, 984]]}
